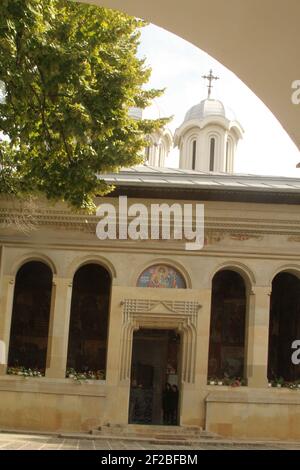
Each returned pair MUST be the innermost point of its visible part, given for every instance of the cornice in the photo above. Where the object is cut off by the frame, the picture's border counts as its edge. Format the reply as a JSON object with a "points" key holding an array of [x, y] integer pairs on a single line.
{"points": [[87, 223]]}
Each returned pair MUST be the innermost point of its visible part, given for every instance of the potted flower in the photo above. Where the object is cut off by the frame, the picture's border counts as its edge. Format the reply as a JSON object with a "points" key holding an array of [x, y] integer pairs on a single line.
{"points": [[278, 382], [236, 382], [25, 372], [84, 376]]}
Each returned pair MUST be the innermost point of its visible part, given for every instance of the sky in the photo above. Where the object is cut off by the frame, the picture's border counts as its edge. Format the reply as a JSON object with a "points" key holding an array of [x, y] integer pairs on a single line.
{"points": [[178, 66]]}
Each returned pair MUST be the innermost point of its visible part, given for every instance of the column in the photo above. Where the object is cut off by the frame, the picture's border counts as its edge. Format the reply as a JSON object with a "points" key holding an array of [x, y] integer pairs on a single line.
{"points": [[203, 336], [117, 367], [59, 328], [6, 306], [192, 411], [257, 336]]}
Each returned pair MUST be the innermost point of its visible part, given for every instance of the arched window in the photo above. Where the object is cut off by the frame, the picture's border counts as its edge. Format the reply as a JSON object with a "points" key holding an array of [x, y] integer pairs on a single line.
{"points": [[194, 152], [30, 317], [161, 276], [89, 320], [147, 153], [284, 327], [227, 156], [212, 154], [160, 153], [227, 328]]}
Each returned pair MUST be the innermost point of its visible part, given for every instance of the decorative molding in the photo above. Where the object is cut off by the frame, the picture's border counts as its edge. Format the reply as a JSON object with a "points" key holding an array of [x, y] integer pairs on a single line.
{"points": [[217, 227], [211, 237], [164, 314], [294, 238], [245, 236]]}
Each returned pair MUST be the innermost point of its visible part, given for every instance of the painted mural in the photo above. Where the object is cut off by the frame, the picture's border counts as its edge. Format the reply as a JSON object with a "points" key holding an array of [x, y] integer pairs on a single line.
{"points": [[161, 276]]}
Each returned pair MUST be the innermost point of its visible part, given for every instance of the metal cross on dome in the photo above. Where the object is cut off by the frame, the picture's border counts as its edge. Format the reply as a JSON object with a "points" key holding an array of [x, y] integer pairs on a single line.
{"points": [[210, 79]]}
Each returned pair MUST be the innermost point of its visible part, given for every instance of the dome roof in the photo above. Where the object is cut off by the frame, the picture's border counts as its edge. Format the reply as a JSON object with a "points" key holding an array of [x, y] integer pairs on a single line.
{"points": [[209, 107]]}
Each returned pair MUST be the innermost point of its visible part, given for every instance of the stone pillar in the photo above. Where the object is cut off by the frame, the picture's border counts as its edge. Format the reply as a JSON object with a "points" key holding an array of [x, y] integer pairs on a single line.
{"points": [[118, 364], [203, 336], [59, 328], [192, 409], [257, 336], [6, 306]]}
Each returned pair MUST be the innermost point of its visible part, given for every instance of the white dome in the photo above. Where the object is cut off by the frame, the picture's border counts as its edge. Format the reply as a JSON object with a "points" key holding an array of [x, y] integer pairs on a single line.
{"points": [[208, 137], [209, 107]]}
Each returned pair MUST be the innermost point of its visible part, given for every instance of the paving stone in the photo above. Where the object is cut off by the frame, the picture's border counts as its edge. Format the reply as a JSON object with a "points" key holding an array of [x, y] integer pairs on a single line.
{"points": [[40, 442]]}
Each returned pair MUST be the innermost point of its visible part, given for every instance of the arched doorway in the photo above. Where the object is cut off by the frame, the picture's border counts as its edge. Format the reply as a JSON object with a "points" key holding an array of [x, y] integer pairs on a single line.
{"points": [[284, 327], [88, 333], [155, 361], [154, 392], [30, 317], [227, 327]]}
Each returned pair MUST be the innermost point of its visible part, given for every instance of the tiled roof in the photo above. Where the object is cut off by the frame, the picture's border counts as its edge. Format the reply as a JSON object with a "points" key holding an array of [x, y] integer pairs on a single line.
{"points": [[147, 176]]}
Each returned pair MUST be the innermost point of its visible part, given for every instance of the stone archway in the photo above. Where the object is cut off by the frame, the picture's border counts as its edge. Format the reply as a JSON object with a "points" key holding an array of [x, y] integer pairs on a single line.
{"points": [[227, 346], [155, 377], [30, 317], [88, 331], [180, 316], [284, 327]]}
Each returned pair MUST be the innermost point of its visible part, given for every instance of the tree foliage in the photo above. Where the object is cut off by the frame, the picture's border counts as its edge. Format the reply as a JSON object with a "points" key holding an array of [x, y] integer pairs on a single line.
{"points": [[71, 74]]}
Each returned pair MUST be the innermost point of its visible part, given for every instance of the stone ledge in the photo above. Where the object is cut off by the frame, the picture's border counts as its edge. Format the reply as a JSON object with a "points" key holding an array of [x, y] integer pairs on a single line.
{"points": [[52, 386], [267, 396]]}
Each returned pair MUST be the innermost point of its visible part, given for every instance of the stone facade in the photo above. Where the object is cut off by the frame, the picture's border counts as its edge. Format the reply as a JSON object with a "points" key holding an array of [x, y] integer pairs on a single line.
{"points": [[256, 240]]}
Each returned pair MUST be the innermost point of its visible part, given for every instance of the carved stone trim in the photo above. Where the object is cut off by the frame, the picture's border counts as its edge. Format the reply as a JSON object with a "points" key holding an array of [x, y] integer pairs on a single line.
{"points": [[179, 315], [215, 226]]}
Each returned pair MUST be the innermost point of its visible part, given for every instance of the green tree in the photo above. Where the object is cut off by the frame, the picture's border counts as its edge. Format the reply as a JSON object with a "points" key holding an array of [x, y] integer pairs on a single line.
{"points": [[71, 74]]}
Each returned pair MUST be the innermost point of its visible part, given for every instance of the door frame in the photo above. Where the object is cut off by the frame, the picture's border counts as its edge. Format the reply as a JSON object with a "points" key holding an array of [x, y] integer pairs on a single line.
{"points": [[178, 365], [180, 316]]}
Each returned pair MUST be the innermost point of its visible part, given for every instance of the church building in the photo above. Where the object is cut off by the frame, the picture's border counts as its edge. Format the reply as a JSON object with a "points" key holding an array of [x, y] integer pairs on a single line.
{"points": [[124, 332]]}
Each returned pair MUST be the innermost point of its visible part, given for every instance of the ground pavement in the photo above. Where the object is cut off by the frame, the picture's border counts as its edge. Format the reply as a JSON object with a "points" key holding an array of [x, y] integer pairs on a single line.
{"points": [[14, 441]]}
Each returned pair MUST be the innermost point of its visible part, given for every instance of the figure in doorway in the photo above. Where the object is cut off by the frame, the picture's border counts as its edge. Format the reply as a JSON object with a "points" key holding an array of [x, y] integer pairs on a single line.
{"points": [[167, 404], [174, 404]]}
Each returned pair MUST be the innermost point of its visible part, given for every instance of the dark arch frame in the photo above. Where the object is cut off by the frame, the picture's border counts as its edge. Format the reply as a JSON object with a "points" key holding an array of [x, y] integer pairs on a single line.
{"points": [[30, 317], [89, 321], [284, 327], [227, 339]]}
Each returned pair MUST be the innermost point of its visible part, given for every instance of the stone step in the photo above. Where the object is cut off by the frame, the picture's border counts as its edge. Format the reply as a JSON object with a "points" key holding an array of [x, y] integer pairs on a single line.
{"points": [[163, 434], [150, 429], [133, 435], [148, 440]]}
